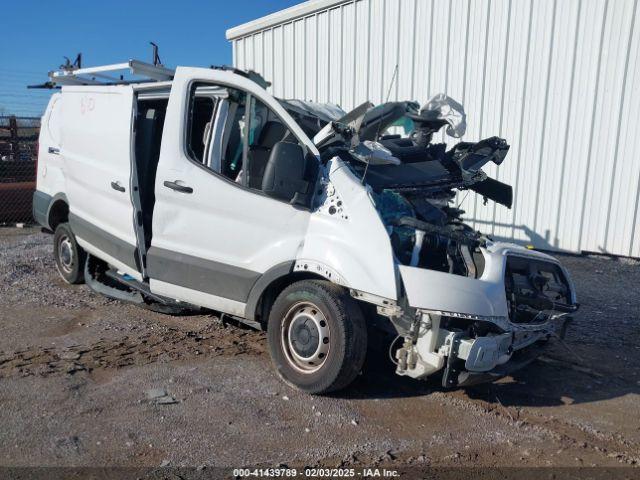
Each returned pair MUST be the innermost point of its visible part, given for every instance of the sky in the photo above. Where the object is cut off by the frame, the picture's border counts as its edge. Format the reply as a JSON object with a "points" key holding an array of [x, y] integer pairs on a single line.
{"points": [[38, 34]]}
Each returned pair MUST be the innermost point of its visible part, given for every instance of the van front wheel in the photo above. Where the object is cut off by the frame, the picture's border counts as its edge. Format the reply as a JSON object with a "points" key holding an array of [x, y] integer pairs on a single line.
{"points": [[69, 256], [317, 336]]}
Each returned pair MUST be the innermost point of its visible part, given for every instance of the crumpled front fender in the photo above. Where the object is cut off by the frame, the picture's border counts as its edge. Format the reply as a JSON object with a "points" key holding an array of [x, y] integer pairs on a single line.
{"points": [[448, 293]]}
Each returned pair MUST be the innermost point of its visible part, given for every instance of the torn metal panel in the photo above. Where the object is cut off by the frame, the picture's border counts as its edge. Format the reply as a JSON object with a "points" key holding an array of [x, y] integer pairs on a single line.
{"points": [[494, 190], [327, 112], [443, 107]]}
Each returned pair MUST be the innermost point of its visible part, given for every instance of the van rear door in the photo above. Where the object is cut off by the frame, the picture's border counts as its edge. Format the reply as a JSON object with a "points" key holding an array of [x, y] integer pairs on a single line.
{"points": [[96, 148]]}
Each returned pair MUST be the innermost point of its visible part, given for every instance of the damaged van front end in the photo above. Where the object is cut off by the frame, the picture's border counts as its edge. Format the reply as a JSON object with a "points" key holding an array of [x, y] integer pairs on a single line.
{"points": [[465, 305], [482, 328]]}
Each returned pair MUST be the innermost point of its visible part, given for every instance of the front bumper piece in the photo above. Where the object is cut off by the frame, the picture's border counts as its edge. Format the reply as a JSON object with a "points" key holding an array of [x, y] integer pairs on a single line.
{"points": [[467, 361], [454, 376]]}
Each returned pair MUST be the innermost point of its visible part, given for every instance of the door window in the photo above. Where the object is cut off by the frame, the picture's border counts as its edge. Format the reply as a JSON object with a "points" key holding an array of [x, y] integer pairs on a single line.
{"points": [[200, 115], [234, 135]]}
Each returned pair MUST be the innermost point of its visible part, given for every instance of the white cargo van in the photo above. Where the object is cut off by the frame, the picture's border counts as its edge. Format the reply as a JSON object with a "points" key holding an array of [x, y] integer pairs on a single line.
{"points": [[196, 188]]}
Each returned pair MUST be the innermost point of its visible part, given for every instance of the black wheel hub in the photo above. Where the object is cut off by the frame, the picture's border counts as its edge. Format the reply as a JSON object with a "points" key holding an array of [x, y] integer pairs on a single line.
{"points": [[305, 336]]}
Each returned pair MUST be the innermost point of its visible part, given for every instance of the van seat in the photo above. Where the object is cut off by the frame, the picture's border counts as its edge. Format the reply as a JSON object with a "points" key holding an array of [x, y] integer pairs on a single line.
{"points": [[272, 132]]}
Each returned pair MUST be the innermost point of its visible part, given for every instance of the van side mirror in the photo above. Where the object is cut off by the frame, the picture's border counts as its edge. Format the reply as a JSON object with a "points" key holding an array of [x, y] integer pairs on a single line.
{"points": [[290, 175]]}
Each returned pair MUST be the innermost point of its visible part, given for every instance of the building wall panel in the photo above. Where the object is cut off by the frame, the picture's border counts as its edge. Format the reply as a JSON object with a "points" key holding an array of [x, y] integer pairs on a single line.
{"points": [[559, 79], [362, 52]]}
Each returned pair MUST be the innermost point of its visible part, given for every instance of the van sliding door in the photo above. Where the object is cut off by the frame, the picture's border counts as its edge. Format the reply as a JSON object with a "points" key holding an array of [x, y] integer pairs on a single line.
{"points": [[96, 148]]}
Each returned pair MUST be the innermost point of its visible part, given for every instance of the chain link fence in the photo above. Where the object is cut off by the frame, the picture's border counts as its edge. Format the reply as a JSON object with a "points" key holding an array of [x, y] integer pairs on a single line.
{"points": [[18, 159]]}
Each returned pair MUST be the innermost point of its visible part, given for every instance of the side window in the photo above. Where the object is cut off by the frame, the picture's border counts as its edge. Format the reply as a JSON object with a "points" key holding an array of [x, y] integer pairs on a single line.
{"points": [[265, 130], [234, 136], [200, 115]]}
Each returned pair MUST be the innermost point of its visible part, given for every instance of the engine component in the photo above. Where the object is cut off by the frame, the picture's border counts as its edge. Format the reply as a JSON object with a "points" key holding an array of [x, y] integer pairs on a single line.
{"points": [[534, 287]]}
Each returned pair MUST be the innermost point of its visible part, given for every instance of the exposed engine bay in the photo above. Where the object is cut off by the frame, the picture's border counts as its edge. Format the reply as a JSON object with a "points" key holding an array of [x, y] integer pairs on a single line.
{"points": [[494, 299], [414, 180]]}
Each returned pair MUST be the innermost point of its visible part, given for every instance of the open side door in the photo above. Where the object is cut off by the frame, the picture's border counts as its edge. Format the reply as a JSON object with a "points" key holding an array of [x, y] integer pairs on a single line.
{"points": [[95, 147]]}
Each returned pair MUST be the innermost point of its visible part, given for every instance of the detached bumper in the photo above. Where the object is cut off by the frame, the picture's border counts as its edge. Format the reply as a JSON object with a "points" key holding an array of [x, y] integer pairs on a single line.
{"points": [[486, 359], [454, 377]]}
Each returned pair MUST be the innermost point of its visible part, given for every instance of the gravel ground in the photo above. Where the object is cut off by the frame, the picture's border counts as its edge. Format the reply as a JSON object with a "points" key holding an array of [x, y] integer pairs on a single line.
{"points": [[87, 381]]}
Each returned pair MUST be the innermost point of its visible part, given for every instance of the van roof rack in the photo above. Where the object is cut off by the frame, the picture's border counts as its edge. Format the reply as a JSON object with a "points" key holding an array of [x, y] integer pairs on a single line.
{"points": [[250, 74], [110, 74]]}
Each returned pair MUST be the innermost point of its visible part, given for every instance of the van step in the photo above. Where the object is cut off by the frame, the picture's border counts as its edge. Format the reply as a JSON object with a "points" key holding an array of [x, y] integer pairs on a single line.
{"points": [[106, 281], [227, 319]]}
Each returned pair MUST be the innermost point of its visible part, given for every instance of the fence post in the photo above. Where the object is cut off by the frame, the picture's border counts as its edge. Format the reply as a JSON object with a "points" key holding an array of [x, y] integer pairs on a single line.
{"points": [[13, 136]]}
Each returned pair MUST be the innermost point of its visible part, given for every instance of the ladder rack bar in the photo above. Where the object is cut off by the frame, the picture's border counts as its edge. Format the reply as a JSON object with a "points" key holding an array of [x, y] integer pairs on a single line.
{"points": [[80, 76], [152, 71]]}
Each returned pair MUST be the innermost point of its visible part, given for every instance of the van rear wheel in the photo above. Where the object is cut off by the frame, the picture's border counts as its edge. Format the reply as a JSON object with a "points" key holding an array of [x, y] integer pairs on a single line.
{"points": [[317, 336], [69, 256]]}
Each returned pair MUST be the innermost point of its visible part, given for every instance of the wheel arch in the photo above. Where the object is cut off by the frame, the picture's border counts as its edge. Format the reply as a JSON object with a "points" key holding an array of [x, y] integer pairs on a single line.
{"points": [[58, 211], [267, 288]]}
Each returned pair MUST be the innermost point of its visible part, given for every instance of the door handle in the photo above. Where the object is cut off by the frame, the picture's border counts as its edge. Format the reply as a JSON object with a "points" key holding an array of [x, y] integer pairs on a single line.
{"points": [[177, 187], [117, 186], [54, 150]]}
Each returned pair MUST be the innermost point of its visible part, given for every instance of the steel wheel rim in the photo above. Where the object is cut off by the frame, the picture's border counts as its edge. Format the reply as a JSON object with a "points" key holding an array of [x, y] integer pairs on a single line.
{"points": [[66, 254], [305, 337]]}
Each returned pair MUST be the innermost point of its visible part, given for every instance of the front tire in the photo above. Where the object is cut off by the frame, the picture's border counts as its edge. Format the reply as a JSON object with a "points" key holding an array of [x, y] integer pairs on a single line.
{"points": [[69, 256], [317, 336]]}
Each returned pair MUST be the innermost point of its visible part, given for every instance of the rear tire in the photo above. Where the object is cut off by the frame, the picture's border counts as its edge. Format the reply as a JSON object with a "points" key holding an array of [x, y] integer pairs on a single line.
{"points": [[317, 336], [69, 256]]}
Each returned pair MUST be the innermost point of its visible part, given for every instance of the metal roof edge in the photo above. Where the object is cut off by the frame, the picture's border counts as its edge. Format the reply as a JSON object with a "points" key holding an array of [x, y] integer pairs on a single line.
{"points": [[283, 16]]}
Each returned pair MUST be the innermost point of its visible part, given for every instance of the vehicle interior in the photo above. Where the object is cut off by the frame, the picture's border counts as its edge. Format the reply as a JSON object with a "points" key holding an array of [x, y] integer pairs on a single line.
{"points": [[149, 124]]}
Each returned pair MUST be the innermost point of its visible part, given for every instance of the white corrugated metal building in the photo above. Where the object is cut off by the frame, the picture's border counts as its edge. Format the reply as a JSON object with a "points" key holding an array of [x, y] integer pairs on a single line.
{"points": [[559, 79]]}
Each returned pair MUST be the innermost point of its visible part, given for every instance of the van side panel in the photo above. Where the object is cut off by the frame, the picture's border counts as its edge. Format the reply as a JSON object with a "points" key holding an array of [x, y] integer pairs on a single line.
{"points": [[355, 249], [50, 182], [96, 149]]}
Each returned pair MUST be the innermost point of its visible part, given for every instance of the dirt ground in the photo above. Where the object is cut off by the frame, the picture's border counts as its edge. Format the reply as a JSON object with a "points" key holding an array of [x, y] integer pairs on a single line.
{"points": [[87, 381]]}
